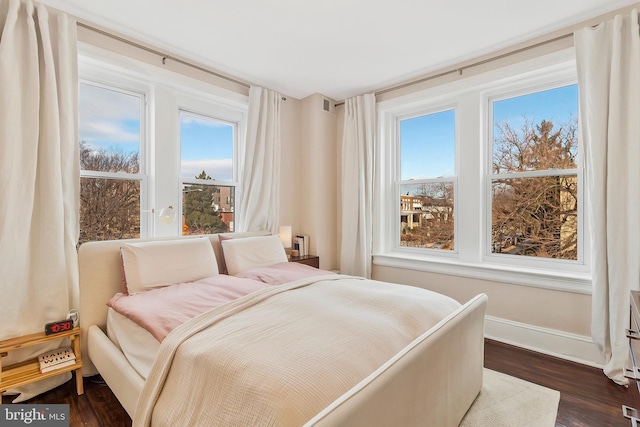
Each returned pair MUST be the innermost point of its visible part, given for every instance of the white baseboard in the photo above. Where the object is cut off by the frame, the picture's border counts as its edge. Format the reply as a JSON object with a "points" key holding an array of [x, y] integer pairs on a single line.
{"points": [[576, 348]]}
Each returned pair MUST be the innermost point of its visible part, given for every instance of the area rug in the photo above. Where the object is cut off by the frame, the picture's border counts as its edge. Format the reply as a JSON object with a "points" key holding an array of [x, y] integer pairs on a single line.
{"points": [[506, 401]]}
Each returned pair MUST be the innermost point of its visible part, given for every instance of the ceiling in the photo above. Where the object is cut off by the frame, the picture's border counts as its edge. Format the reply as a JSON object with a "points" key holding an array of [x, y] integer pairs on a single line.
{"points": [[339, 48]]}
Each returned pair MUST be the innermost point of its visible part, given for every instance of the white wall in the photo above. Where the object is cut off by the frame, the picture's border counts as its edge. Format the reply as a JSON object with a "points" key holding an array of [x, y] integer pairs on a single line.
{"points": [[549, 321], [289, 186], [316, 173]]}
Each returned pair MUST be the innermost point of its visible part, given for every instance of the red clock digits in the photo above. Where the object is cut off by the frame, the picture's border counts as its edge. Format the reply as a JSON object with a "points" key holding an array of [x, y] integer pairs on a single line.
{"points": [[57, 327]]}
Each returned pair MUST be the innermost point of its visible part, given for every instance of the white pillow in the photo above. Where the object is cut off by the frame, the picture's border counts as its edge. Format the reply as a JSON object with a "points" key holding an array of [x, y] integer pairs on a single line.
{"points": [[149, 265], [252, 252]]}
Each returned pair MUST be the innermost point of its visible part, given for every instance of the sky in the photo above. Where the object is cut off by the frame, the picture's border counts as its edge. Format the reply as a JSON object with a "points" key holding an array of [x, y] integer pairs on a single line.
{"points": [[427, 142], [427, 146], [206, 144], [110, 120]]}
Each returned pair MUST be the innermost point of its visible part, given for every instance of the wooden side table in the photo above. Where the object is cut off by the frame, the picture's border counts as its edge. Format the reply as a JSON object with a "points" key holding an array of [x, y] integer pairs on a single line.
{"points": [[312, 260], [29, 371]]}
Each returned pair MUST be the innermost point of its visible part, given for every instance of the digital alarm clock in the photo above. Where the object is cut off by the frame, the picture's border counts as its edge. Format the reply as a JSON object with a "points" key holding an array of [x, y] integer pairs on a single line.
{"points": [[57, 327]]}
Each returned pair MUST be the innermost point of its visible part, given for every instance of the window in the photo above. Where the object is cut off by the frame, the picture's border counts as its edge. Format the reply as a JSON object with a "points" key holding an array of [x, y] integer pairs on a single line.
{"points": [[150, 141], [427, 181], [491, 188], [207, 173], [111, 127], [535, 178]]}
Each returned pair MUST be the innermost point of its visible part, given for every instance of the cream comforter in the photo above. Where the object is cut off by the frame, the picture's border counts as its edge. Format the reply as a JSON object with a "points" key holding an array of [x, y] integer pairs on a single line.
{"points": [[280, 355]]}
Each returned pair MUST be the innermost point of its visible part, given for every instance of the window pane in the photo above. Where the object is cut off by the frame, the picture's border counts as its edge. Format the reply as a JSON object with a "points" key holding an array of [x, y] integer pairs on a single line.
{"points": [[426, 215], [536, 216], [207, 209], [536, 131], [206, 148], [109, 129], [109, 209], [427, 146]]}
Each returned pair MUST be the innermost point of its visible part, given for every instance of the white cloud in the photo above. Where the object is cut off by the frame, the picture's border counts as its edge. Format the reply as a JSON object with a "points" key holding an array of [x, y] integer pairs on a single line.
{"points": [[98, 130], [104, 115], [218, 169], [108, 104]]}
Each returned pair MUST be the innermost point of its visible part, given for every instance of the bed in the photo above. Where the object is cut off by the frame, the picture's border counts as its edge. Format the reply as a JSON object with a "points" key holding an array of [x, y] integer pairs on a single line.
{"points": [[430, 378]]}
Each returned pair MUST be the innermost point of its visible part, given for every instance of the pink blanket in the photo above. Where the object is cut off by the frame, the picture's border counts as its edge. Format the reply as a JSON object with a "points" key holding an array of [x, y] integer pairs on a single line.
{"points": [[160, 310]]}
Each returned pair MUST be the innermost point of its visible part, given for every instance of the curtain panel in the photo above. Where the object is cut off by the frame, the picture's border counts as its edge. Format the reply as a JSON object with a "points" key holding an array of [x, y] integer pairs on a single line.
{"points": [[39, 174], [260, 207], [357, 185], [608, 61]]}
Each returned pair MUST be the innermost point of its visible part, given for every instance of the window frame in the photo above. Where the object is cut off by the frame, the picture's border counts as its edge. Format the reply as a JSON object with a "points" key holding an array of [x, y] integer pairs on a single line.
{"points": [[473, 168], [526, 87], [131, 87], [399, 182], [166, 92], [234, 183]]}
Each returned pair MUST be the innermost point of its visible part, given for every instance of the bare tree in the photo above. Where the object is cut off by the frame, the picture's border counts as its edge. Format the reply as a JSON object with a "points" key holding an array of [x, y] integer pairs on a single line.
{"points": [[109, 208], [535, 215]]}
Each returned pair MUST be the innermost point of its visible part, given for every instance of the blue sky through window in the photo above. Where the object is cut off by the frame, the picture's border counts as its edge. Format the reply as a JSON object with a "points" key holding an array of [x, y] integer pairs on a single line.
{"points": [[427, 143], [108, 119], [111, 120], [427, 146], [556, 105], [206, 145]]}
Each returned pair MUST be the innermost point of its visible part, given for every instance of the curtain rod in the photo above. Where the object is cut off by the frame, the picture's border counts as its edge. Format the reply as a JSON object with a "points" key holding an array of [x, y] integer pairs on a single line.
{"points": [[459, 70], [164, 56]]}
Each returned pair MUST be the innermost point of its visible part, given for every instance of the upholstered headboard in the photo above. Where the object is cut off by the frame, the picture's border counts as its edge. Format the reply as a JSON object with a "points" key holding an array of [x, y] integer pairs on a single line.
{"points": [[100, 271]]}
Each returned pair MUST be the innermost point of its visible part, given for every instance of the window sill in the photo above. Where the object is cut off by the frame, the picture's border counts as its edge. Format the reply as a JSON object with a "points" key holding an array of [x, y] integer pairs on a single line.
{"points": [[555, 280]]}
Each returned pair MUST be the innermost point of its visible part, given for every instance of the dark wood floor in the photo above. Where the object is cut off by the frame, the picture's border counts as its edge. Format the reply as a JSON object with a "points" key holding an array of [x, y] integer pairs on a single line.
{"points": [[587, 397]]}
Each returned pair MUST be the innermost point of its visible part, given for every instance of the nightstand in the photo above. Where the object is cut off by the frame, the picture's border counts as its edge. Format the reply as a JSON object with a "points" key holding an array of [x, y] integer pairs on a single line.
{"points": [[312, 260], [29, 371], [633, 371]]}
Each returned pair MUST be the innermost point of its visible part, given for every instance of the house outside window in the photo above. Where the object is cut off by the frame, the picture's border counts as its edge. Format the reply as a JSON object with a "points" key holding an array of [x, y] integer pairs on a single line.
{"points": [[512, 172], [207, 173], [427, 181]]}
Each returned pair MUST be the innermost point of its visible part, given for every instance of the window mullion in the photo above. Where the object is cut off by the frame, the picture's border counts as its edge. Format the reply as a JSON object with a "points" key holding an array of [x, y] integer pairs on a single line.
{"points": [[534, 174]]}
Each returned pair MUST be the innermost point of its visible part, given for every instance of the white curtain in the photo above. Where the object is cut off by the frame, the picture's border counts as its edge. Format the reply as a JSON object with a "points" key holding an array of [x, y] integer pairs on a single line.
{"points": [[357, 185], [39, 173], [260, 206], [608, 58]]}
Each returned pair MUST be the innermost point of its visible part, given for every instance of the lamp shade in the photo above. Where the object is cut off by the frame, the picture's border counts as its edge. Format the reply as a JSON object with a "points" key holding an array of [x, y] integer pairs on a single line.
{"points": [[285, 235], [167, 215]]}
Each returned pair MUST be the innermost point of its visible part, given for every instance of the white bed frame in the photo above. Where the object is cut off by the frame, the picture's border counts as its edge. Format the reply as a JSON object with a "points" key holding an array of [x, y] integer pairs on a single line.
{"points": [[432, 381]]}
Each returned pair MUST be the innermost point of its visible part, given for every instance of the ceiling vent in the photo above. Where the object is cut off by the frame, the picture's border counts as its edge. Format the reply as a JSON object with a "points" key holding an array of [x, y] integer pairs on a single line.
{"points": [[328, 105]]}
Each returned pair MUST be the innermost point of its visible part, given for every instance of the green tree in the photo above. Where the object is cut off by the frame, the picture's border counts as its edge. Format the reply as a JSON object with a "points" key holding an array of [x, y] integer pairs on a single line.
{"points": [[200, 212]]}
